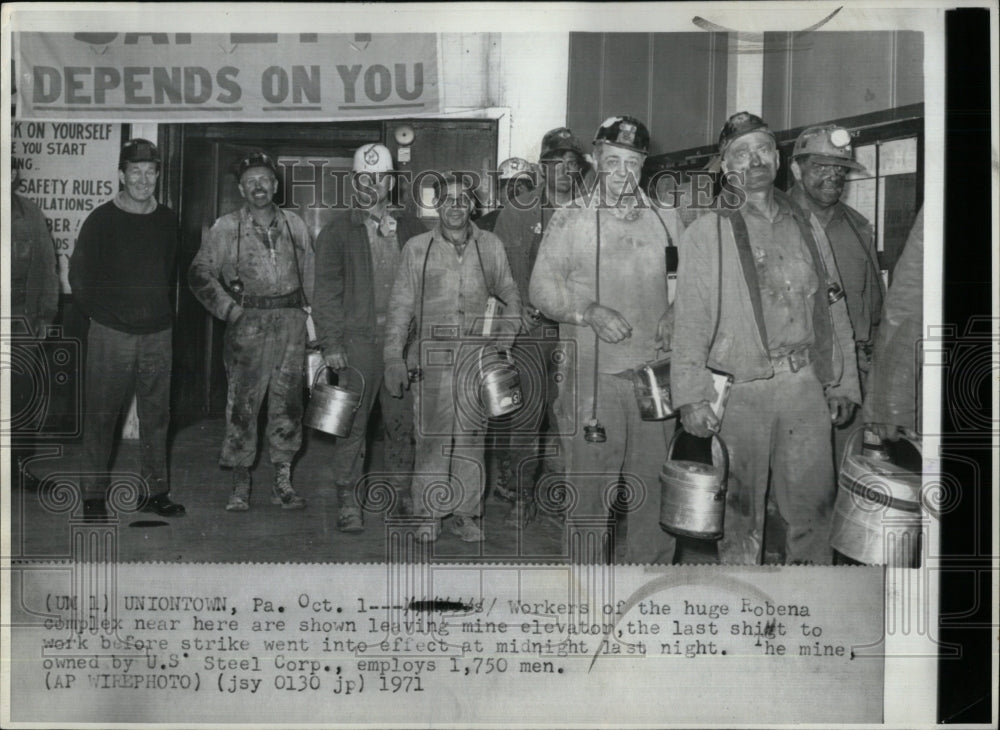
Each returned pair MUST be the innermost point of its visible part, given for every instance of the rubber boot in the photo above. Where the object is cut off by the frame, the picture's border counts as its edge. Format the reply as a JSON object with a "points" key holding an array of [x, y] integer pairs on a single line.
{"points": [[239, 499], [283, 493]]}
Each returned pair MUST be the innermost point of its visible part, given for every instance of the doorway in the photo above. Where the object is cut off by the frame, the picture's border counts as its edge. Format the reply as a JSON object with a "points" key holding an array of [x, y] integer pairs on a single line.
{"points": [[313, 159]]}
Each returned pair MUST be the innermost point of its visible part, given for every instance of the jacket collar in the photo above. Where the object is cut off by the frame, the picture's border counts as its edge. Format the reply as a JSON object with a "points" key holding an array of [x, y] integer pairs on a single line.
{"points": [[786, 205]]}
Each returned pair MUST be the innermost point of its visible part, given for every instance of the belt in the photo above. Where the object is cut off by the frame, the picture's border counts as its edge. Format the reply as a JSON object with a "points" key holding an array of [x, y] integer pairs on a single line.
{"points": [[792, 361], [292, 300]]}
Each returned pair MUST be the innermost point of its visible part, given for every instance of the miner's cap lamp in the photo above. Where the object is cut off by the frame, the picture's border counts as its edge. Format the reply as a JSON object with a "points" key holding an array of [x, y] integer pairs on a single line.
{"points": [[826, 144]]}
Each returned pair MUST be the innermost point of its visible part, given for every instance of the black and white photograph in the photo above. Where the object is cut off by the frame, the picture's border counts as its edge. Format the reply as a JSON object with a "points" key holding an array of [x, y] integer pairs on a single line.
{"points": [[362, 363]]}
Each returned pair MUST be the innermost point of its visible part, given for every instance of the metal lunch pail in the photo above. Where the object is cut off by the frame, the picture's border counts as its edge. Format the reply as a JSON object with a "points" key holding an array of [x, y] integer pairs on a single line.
{"points": [[499, 385], [332, 408], [651, 383], [877, 518], [693, 495]]}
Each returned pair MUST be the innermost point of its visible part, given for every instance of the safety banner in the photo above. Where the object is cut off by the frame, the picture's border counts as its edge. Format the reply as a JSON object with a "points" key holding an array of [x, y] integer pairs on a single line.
{"points": [[163, 77]]}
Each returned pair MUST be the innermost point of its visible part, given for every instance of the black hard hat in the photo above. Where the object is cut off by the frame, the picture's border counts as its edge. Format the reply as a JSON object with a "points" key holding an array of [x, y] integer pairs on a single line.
{"points": [[139, 150], [627, 132], [739, 124], [257, 158], [560, 139]]}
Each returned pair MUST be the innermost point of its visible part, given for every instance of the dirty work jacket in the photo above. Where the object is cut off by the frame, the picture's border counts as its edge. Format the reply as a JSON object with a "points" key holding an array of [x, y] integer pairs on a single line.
{"points": [[853, 243], [633, 278], [216, 265], [34, 279], [895, 376], [343, 301], [740, 346], [453, 290]]}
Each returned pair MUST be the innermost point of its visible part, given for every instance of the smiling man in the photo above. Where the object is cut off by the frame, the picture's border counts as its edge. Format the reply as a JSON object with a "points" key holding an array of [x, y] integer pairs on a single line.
{"points": [[120, 272], [444, 281], [821, 160], [772, 327], [255, 271], [601, 273]]}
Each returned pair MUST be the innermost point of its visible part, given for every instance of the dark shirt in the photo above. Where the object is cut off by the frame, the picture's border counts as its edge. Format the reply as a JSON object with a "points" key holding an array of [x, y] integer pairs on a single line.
{"points": [[121, 267]]}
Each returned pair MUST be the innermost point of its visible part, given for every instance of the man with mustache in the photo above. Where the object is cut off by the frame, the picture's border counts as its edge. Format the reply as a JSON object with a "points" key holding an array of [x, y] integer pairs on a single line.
{"points": [[821, 160], [444, 281], [752, 301], [255, 271], [120, 273]]}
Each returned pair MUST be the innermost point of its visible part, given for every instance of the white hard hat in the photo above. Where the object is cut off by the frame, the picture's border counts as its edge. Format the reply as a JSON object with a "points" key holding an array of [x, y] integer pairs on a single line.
{"points": [[372, 158]]}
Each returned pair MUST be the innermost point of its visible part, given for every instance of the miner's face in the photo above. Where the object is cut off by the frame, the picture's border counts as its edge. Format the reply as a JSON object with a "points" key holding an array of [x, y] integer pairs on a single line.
{"points": [[455, 206], [138, 180], [620, 168], [756, 156], [822, 182], [258, 186], [561, 171]]}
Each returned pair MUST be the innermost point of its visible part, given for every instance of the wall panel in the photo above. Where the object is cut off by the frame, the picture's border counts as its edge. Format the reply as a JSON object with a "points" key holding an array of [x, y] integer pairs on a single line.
{"points": [[815, 77]]}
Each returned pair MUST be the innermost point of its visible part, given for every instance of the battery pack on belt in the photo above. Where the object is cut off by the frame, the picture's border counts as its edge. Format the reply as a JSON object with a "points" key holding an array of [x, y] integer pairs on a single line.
{"points": [[292, 300]]}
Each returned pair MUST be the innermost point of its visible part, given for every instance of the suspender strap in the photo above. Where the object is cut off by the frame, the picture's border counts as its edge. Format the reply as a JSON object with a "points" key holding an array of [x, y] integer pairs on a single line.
{"points": [[823, 334], [742, 237]]}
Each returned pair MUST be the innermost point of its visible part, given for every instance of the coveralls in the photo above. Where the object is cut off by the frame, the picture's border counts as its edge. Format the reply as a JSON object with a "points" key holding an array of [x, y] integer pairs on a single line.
{"points": [[633, 281], [783, 344], [447, 293], [356, 266], [852, 260], [264, 348]]}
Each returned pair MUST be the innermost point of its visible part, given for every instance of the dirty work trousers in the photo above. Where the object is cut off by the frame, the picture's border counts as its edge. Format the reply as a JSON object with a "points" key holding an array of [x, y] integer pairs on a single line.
{"points": [[264, 353], [344, 458], [514, 439], [117, 361], [630, 459], [781, 425], [449, 467], [842, 433]]}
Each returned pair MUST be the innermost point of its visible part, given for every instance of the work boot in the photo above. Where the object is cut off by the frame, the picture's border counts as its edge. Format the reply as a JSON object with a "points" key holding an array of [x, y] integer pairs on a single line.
{"points": [[466, 528], [504, 487], [239, 500], [521, 513], [349, 520], [283, 493]]}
